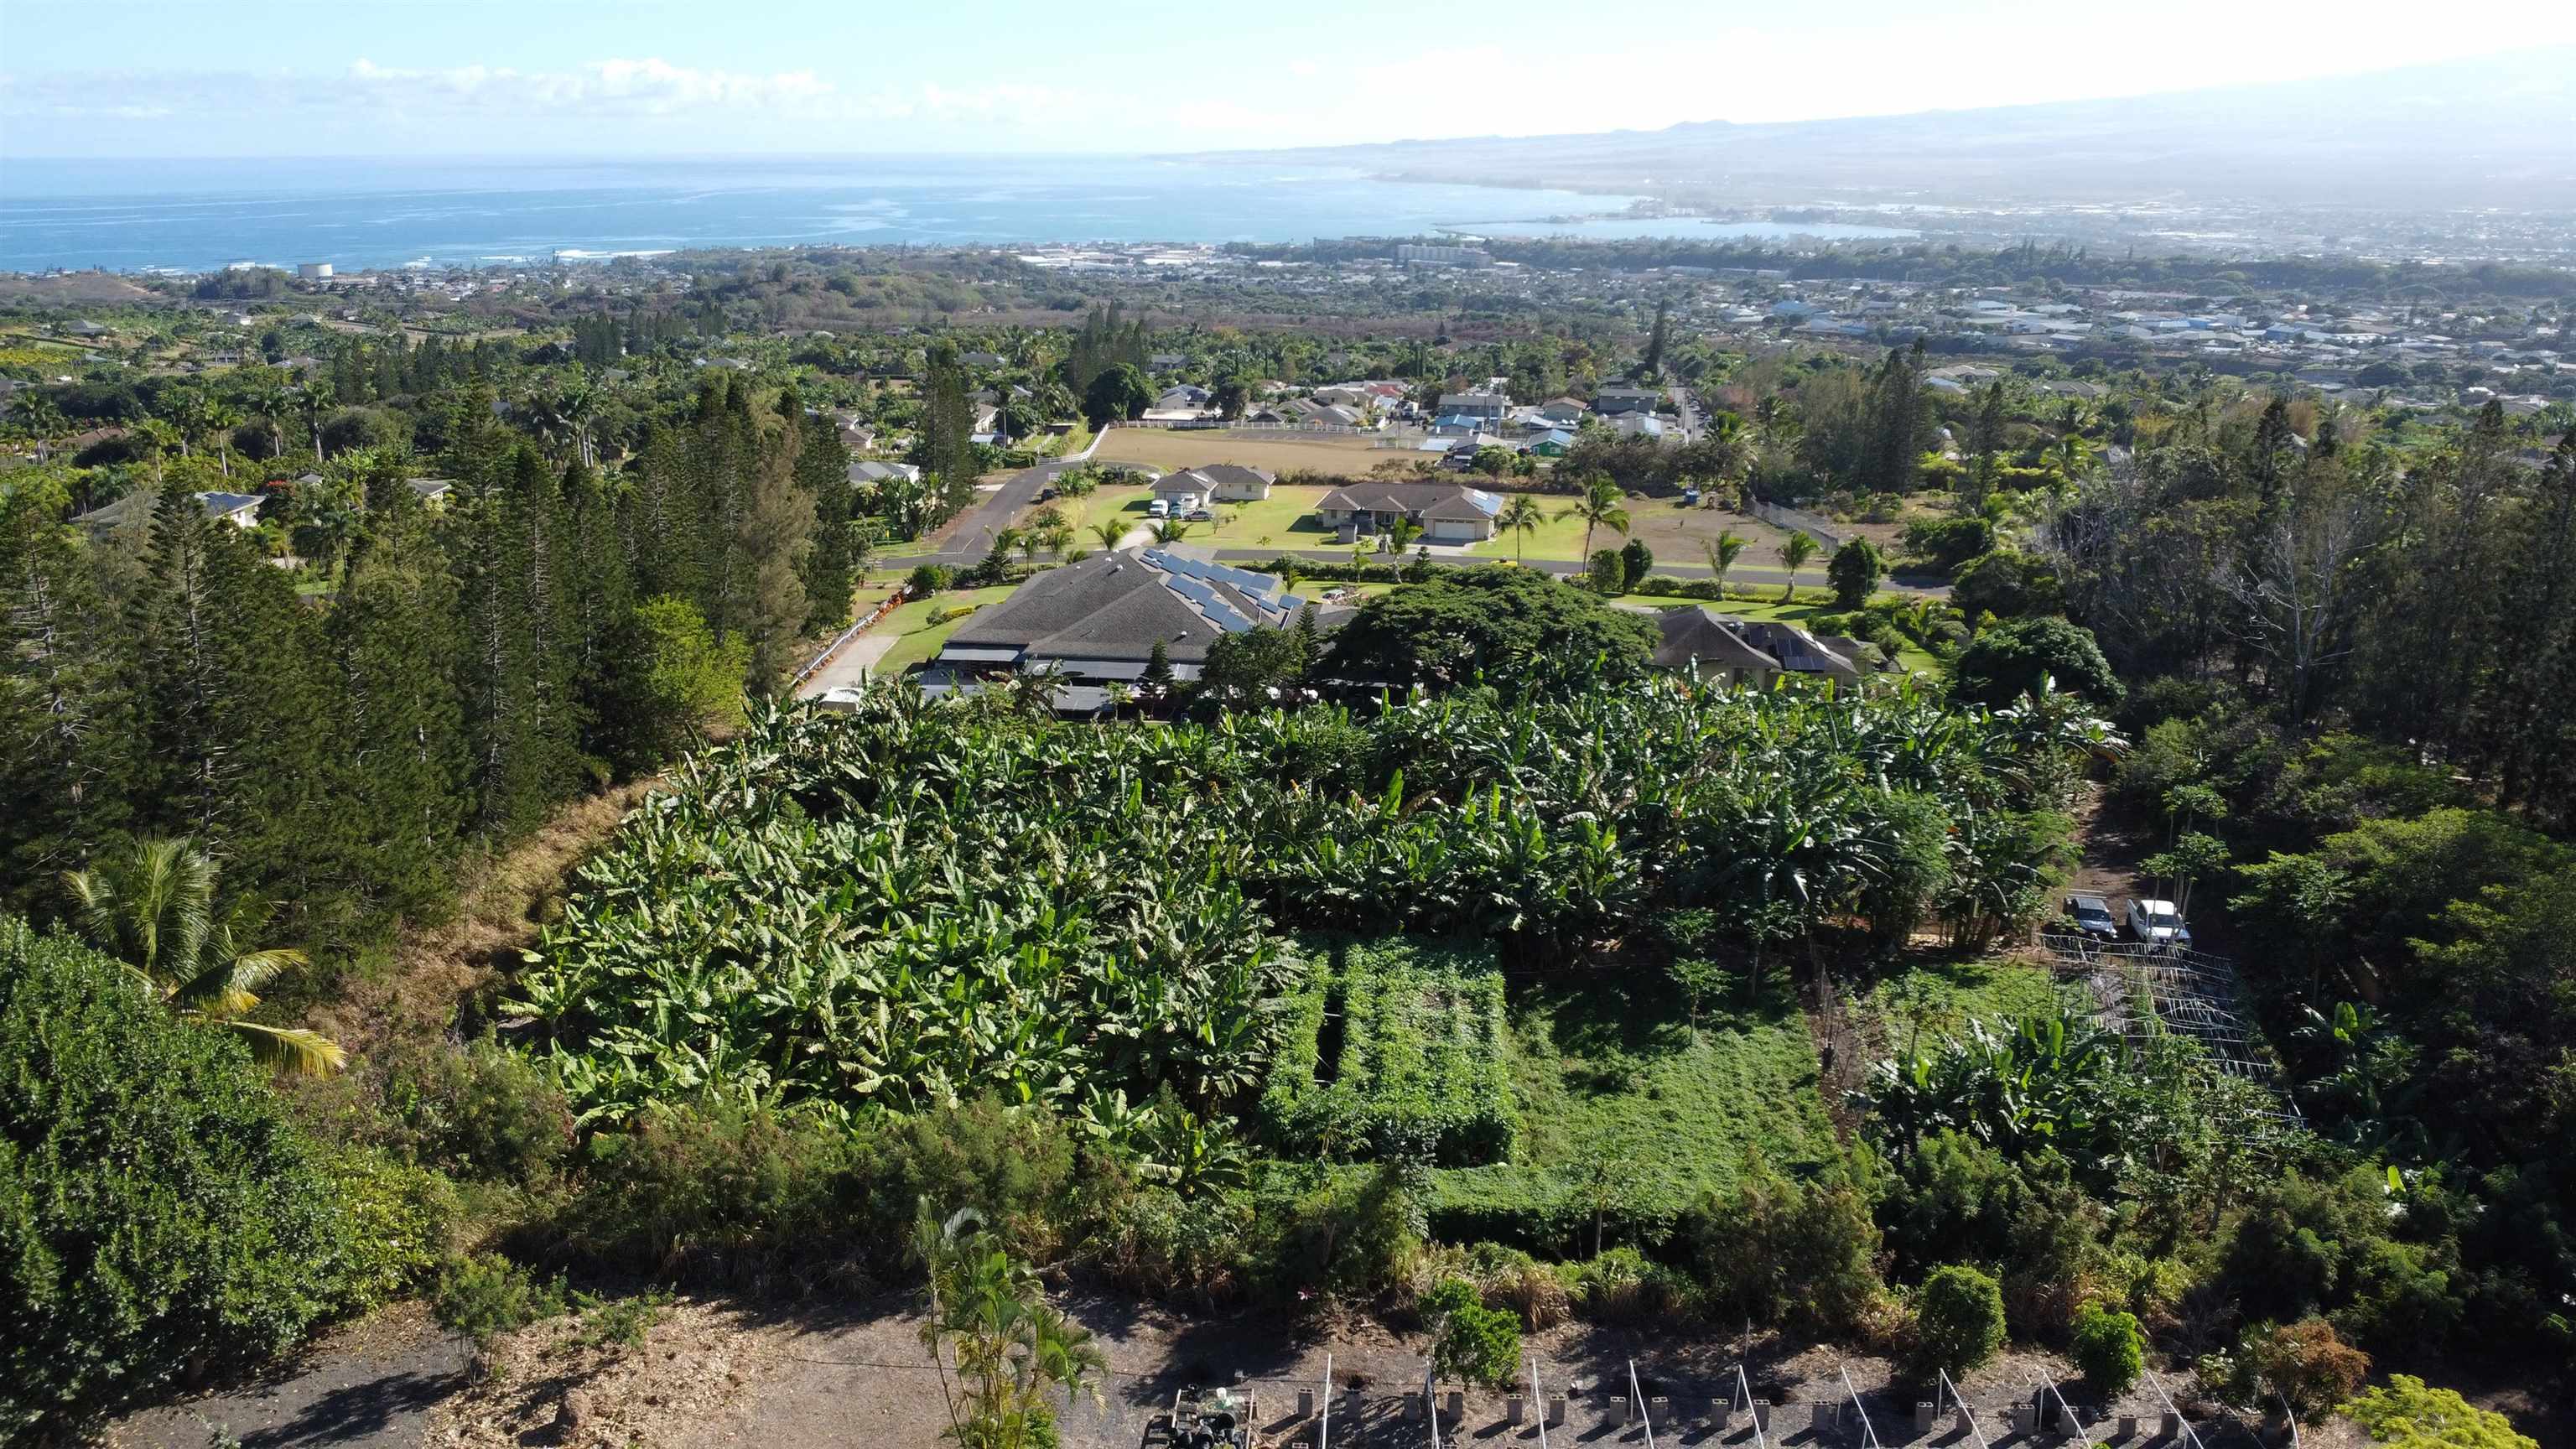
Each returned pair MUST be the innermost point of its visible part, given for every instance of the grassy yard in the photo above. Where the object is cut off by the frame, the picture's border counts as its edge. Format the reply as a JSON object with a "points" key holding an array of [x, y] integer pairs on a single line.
{"points": [[917, 640], [1339, 457], [1284, 520], [1617, 1079], [1672, 531], [1939, 998]]}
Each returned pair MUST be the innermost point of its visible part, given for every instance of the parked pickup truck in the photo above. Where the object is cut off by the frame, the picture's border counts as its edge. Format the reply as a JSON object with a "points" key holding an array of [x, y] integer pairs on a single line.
{"points": [[2158, 923]]}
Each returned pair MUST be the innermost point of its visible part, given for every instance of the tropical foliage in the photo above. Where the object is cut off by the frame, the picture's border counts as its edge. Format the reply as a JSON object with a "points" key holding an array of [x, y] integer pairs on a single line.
{"points": [[897, 905]]}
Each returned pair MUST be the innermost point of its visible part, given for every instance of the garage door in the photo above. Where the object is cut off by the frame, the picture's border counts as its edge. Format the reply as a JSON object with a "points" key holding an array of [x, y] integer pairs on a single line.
{"points": [[1453, 533]]}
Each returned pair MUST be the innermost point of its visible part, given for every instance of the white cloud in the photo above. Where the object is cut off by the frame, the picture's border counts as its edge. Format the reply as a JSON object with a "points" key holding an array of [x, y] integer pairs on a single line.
{"points": [[649, 86]]}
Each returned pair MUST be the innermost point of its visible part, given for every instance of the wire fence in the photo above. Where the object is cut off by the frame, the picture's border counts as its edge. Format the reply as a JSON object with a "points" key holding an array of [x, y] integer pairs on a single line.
{"points": [[1820, 529], [2142, 989]]}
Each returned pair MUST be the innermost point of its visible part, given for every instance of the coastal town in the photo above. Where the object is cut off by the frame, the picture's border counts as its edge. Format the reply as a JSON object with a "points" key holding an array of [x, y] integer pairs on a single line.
{"points": [[1869, 749]]}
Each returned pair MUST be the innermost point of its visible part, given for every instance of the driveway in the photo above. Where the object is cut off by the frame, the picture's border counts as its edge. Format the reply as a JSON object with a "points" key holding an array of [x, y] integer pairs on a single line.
{"points": [[972, 538]]}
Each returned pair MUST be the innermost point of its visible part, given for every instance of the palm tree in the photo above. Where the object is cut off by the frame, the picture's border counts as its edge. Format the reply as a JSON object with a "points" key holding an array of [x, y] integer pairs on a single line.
{"points": [[221, 419], [1170, 531], [160, 437], [154, 911], [1520, 517], [1601, 506], [1109, 533], [1722, 555], [271, 404], [1729, 448], [1402, 533], [1794, 554]]}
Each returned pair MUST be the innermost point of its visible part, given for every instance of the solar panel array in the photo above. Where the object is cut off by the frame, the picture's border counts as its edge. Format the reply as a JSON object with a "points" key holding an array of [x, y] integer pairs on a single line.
{"points": [[1195, 579], [1219, 612]]}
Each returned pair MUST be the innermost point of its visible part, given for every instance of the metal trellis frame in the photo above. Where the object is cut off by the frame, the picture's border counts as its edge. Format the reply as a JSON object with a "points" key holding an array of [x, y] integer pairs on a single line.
{"points": [[1538, 1400], [2142, 990], [1744, 1388], [1637, 1396], [2189, 1435], [2072, 1419], [1868, 1432], [1967, 1415], [1324, 1425]]}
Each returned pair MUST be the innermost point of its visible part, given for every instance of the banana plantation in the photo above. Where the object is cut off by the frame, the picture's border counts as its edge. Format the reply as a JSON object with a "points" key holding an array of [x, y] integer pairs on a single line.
{"points": [[922, 902]]}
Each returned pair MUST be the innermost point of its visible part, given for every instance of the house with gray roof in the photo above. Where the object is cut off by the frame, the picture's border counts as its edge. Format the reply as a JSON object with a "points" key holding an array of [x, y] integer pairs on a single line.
{"points": [[1209, 484], [241, 510], [1094, 624], [870, 472], [1447, 512], [1611, 401], [1747, 651]]}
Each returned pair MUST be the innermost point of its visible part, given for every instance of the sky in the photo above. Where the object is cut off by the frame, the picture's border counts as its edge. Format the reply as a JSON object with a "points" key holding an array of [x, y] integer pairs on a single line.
{"points": [[567, 78]]}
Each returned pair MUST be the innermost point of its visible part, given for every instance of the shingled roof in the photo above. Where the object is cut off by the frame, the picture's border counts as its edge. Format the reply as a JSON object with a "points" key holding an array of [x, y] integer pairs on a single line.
{"points": [[1115, 607]]}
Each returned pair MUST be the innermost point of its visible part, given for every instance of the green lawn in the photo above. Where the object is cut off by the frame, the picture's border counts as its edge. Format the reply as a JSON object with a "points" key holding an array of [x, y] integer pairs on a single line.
{"points": [[1939, 998], [1613, 1075], [919, 640], [1555, 538], [1286, 519]]}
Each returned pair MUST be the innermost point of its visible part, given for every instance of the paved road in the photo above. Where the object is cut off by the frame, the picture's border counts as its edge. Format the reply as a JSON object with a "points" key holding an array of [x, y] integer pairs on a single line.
{"points": [[973, 537], [1689, 410]]}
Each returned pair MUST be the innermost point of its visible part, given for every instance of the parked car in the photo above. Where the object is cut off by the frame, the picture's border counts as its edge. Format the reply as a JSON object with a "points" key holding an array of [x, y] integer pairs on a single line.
{"points": [[1201, 515], [1158, 509], [2092, 915], [2158, 923], [1047, 494]]}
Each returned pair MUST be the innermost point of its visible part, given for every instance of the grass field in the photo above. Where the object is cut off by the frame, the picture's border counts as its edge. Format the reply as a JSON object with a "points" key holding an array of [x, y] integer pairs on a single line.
{"points": [[1283, 520], [1167, 449], [917, 640], [1616, 1080], [1672, 531], [1936, 999]]}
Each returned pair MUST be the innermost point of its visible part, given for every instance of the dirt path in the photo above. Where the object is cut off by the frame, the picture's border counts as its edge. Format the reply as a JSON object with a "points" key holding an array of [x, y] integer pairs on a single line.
{"points": [[368, 1385]]}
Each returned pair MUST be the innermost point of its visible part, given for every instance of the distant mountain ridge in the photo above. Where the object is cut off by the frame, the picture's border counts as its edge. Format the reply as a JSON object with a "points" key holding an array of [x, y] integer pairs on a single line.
{"points": [[2495, 131]]}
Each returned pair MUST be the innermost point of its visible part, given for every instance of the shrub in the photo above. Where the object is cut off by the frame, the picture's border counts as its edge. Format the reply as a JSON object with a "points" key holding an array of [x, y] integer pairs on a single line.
{"points": [[2409, 1415], [1782, 1252], [1958, 1321], [1635, 562], [2005, 662], [2306, 1364], [927, 579], [1623, 1285], [487, 1295], [1607, 572], [1854, 571], [2107, 1348], [1178, 1249], [1946, 543], [2008, 584], [1534, 1290], [1320, 1233], [159, 1213], [485, 1113], [1476, 1343], [724, 1192]]}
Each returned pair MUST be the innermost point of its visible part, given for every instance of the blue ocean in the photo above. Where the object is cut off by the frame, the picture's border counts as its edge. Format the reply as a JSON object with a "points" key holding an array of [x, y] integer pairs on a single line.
{"points": [[193, 215]]}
